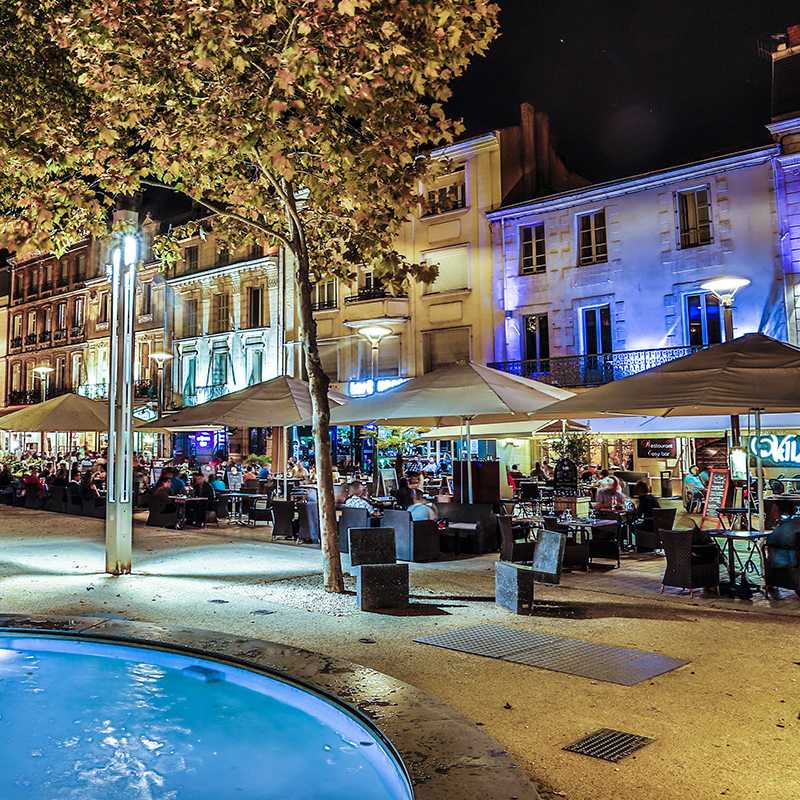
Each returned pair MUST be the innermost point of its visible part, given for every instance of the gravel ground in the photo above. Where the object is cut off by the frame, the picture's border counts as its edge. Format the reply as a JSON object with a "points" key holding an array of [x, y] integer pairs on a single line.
{"points": [[726, 725]]}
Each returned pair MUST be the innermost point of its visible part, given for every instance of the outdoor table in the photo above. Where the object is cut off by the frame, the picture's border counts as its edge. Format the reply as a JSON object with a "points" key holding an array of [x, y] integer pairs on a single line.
{"points": [[235, 503], [727, 546], [181, 500]]}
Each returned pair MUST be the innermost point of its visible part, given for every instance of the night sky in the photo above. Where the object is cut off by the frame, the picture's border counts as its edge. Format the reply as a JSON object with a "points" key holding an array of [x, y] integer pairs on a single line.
{"points": [[630, 86]]}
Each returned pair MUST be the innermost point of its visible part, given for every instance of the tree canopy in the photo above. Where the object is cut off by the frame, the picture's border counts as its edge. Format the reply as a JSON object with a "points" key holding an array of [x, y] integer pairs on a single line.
{"points": [[231, 102]]}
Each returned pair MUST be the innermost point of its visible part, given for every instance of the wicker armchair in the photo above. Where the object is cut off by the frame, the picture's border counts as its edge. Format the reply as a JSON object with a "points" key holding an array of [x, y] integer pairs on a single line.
{"points": [[689, 566], [283, 522], [512, 547], [647, 536]]}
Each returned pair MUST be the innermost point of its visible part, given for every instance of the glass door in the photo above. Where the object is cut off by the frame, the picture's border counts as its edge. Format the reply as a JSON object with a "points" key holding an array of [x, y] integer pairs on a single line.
{"points": [[598, 345]]}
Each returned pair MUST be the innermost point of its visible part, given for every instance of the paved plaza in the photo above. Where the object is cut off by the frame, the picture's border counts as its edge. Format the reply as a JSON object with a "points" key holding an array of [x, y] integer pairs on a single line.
{"points": [[725, 725]]}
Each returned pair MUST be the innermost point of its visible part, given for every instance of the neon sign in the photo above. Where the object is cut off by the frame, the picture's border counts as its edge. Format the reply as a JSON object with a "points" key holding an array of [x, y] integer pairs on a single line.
{"points": [[777, 450]]}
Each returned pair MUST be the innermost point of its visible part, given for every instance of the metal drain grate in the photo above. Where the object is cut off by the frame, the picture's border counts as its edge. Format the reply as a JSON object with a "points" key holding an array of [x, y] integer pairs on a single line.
{"points": [[622, 665], [609, 745], [493, 641]]}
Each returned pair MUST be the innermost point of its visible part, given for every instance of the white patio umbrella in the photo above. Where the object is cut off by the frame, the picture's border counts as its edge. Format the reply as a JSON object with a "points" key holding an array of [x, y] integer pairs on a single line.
{"points": [[453, 395], [752, 374], [281, 402]]}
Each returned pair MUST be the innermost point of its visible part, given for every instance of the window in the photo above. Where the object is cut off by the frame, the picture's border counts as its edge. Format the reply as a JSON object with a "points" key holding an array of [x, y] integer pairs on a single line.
{"points": [[597, 338], [191, 256], [703, 320], [47, 320], [224, 256], [219, 368], [190, 317], [221, 318], [60, 374], [592, 246], [532, 256], [63, 272], [256, 366], [694, 217], [16, 329], [16, 377], [47, 277], [77, 370], [325, 295], [448, 193], [143, 362], [77, 315], [102, 311], [33, 281], [80, 267], [189, 366], [453, 263], [146, 301], [256, 251], [444, 347], [537, 342], [61, 316], [255, 295], [368, 281], [31, 329]]}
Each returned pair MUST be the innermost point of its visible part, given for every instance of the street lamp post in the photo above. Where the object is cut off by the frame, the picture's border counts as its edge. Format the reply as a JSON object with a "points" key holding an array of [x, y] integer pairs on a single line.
{"points": [[724, 289], [119, 497], [161, 358], [43, 374]]}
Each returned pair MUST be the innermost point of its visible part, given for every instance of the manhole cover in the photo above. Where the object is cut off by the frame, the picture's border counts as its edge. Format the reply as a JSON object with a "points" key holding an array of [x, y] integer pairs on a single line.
{"points": [[609, 745]]}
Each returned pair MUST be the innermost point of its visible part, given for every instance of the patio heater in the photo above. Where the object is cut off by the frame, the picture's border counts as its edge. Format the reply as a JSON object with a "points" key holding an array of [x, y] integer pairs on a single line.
{"points": [[43, 374], [124, 255]]}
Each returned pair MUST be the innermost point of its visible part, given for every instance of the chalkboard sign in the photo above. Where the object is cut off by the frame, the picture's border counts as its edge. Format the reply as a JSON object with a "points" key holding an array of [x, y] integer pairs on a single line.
{"points": [[565, 478], [661, 449], [389, 480], [717, 491], [548, 555]]}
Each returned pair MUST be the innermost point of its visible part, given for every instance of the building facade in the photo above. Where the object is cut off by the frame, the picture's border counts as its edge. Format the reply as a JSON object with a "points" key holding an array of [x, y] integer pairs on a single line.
{"points": [[450, 319]]}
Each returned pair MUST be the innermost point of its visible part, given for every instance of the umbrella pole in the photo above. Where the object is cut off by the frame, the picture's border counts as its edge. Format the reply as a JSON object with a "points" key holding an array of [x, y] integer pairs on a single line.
{"points": [[286, 463], [469, 463], [760, 472]]}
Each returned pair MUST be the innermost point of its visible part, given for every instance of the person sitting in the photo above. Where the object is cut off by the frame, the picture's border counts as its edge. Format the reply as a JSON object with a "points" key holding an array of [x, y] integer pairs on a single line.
{"points": [[264, 472], [88, 487], [216, 483], [197, 513], [33, 484], [609, 496], [177, 483], [430, 468], [299, 471], [357, 499], [6, 478], [537, 473], [60, 477], [646, 501], [420, 509], [249, 473], [402, 494], [515, 472], [694, 490]]}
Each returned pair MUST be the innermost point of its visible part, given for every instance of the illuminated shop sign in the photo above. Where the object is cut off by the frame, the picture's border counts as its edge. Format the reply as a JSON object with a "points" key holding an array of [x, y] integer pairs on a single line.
{"points": [[777, 450]]}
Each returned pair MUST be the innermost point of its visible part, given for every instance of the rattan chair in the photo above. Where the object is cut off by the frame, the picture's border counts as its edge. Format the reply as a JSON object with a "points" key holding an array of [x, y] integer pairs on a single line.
{"points": [[513, 547], [647, 537], [689, 566]]}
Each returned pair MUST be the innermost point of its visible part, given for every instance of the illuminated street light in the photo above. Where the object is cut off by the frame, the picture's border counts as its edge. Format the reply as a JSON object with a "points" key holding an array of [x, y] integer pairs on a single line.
{"points": [[43, 373], [119, 498]]}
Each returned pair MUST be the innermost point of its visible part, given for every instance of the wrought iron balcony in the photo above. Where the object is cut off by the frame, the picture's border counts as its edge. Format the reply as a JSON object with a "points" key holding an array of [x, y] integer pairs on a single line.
{"points": [[44, 337], [29, 397], [94, 391], [324, 305], [46, 287], [59, 336], [77, 332], [16, 343], [31, 338], [571, 371], [374, 293], [202, 394]]}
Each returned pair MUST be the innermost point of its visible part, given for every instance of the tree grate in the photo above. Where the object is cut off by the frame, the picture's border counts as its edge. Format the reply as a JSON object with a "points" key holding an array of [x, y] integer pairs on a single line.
{"points": [[609, 745]]}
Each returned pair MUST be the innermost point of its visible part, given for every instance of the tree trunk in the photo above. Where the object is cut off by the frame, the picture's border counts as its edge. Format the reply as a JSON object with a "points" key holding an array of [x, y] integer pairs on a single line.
{"points": [[318, 383]]}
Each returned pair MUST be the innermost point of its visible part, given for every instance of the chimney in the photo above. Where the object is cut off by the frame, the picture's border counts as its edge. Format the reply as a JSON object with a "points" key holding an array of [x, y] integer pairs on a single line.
{"points": [[786, 77], [527, 115]]}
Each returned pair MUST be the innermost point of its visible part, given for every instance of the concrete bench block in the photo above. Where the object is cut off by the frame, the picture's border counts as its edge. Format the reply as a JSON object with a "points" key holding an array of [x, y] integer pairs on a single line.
{"points": [[513, 587], [371, 546], [380, 586]]}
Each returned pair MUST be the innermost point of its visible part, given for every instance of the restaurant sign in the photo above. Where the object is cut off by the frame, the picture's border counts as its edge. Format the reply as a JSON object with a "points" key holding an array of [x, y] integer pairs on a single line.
{"points": [[777, 450], [656, 448]]}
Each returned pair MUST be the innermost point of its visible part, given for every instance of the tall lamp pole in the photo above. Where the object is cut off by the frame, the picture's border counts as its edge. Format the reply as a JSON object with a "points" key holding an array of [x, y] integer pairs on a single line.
{"points": [[43, 373], [374, 334], [724, 289], [161, 358], [119, 498]]}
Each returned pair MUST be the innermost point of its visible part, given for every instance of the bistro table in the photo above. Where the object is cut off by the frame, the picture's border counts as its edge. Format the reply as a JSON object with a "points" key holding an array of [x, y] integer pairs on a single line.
{"points": [[236, 503], [754, 543], [181, 501]]}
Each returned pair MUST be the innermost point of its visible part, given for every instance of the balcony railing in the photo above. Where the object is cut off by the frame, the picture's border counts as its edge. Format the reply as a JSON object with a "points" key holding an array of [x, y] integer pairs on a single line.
{"points": [[31, 338], [44, 337], [593, 370], [202, 394], [59, 336], [375, 293], [29, 397], [94, 391], [324, 305], [16, 343], [77, 332]]}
